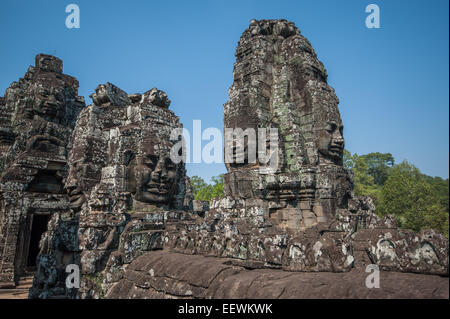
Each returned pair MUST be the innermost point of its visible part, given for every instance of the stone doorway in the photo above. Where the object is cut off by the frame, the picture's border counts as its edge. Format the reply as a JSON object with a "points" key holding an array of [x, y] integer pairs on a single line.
{"points": [[38, 228]]}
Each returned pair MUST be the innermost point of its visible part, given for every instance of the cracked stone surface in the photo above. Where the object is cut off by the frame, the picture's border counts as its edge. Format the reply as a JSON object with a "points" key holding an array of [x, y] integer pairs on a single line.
{"points": [[172, 275]]}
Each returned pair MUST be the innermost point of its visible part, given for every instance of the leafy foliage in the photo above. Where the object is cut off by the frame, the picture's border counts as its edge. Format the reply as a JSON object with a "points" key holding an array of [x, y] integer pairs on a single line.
{"points": [[197, 184], [205, 192], [411, 198], [363, 175], [379, 166], [416, 200]]}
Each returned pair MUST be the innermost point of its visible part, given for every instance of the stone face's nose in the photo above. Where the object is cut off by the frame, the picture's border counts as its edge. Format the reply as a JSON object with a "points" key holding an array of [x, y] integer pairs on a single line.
{"points": [[160, 174], [51, 100], [157, 173], [164, 174], [339, 140]]}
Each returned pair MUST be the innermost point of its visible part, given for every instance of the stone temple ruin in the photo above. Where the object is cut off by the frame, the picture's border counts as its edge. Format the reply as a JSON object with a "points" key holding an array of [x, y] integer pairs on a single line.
{"points": [[121, 186], [278, 82], [95, 186], [38, 115]]}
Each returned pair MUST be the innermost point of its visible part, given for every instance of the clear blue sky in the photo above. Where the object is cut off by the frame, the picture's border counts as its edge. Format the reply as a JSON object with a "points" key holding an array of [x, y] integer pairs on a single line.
{"points": [[392, 82]]}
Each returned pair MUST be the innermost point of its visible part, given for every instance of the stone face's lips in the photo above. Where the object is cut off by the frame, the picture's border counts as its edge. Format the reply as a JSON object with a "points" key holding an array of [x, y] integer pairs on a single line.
{"points": [[158, 190], [75, 194], [336, 149], [285, 185]]}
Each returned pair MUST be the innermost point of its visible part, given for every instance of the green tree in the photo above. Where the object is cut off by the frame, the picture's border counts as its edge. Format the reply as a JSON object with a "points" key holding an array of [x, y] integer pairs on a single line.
{"points": [[364, 183], [437, 218], [440, 188], [411, 199], [218, 182], [206, 192], [379, 166], [348, 160], [197, 184]]}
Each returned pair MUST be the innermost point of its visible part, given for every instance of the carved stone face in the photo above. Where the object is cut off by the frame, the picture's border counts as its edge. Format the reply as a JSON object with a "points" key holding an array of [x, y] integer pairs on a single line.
{"points": [[330, 141], [267, 27], [239, 155], [49, 103], [45, 144], [75, 185], [156, 177]]}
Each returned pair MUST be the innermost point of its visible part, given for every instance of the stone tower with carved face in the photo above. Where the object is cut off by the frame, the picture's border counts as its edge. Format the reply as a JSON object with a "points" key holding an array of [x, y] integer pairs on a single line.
{"points": [[120, 175], [279, 83], [301, 214], [38, 114], [123, 143]]}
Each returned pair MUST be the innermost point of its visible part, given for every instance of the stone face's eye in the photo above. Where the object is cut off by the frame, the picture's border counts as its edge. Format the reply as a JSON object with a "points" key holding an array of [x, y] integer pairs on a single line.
{"points": [[151, 161], [170, 164], [331, 127], [341, 129]]}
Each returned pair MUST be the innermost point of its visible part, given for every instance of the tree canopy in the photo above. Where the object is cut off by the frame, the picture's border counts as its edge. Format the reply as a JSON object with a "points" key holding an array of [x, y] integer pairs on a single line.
{"points": [[204, 191], [416, 200]]}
